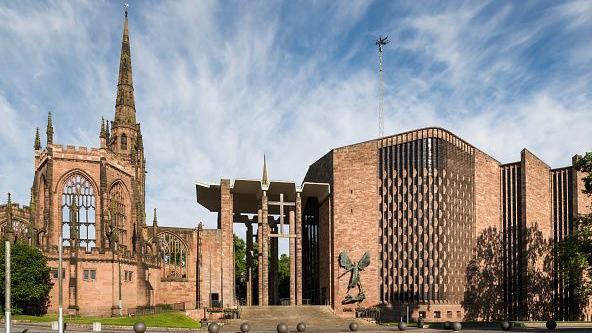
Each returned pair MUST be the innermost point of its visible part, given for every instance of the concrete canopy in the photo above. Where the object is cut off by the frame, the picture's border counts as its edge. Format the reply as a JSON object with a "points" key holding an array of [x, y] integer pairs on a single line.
{"points": [[247, 194]]}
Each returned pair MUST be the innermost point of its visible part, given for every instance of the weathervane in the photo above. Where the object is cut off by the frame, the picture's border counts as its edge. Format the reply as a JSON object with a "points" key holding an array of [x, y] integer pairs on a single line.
{"points": [[381, 41], [126, 5]]}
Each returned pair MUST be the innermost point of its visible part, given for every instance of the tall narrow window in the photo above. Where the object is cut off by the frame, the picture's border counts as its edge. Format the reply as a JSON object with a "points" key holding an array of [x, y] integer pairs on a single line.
{"points": [[118, 212], [174, 257], [78, 212], [123, 141]]}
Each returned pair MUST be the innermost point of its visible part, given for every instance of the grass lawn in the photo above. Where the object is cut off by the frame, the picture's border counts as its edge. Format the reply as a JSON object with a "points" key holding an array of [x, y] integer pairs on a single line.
{"points": [[167, 319]]}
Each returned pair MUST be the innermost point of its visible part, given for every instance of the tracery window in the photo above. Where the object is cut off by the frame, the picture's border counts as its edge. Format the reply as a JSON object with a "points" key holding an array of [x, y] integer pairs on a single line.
{"points": [[174, 257], [123, 141], [118, 213], [19, 228], [78, 212]]}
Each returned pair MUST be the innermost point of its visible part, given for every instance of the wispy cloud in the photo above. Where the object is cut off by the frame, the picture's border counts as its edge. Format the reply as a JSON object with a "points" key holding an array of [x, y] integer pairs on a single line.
{"points": [[219, 84]]}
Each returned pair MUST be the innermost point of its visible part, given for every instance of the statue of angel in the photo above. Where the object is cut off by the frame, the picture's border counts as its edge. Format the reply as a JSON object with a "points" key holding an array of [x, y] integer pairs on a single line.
{"points": [[354, 279]]}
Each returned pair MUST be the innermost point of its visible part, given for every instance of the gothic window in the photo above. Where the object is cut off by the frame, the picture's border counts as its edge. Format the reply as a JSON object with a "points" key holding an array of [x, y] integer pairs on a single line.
{"points": [[78, 212], [19, 228], [117, 210], [123, 141], [174, 257]]}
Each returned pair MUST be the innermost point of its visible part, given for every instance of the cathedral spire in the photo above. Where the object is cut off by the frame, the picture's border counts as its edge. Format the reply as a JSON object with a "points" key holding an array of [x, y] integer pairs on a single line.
{"points": [[264, 178], [49, 129], [37, 139], [125, 109]]}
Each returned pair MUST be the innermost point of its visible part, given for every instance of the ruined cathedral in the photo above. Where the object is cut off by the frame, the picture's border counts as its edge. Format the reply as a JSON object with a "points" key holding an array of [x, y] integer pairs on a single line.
{"points": [[94, 198], [397, 223]]}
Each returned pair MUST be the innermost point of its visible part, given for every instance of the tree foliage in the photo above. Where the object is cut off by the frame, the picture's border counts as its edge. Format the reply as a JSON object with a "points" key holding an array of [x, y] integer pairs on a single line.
{"points": [[575, 250], [241, 269], [30, 279], [284, 276]]}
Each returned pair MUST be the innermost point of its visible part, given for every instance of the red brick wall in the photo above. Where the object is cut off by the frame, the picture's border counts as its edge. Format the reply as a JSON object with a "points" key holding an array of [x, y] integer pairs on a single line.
{"points": [[356, 217], [487, 193], [210, 261], [536, 194]]}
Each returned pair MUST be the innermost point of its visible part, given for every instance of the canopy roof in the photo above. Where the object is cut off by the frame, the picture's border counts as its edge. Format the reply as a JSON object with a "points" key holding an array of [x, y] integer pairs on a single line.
{"points": [[247, 194]]}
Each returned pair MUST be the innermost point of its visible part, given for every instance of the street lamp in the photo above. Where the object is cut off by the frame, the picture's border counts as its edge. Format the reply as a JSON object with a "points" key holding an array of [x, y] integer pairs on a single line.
{"points": [[7, 286]]}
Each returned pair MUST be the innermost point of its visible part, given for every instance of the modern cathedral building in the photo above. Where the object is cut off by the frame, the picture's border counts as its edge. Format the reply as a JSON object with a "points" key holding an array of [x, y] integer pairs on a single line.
{"points": [[420, 220]]}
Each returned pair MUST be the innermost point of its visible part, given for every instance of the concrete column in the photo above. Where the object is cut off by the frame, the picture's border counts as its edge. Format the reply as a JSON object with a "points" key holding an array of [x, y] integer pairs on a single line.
{"points": [[298, 254], [265, 253], [260, 257], [291, 222], [249, 263]]}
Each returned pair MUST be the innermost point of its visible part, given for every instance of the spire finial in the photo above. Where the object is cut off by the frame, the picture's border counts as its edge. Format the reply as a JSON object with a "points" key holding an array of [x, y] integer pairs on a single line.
{"points": [[264, 178], [103, 134], [126, 6], [37, 139], [49, 129], [154, 228]]}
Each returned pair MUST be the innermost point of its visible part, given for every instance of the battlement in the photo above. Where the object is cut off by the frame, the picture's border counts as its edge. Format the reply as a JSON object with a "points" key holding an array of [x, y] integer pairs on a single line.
{"points": [[16, 208], [80, 150]]}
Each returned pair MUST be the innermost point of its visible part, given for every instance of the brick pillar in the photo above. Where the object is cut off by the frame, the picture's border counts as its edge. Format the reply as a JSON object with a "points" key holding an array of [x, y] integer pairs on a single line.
{"points": [[298, 254], [226, 220], [265, 253], [292, 259], [260, 257]]}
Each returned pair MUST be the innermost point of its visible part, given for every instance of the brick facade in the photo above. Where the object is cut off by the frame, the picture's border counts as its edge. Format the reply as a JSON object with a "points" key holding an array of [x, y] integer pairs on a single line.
{"points": [[513, 203]]}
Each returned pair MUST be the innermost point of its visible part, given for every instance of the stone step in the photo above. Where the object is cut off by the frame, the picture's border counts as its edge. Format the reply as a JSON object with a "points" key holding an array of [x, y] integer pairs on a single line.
{"points": [[317, 319]]}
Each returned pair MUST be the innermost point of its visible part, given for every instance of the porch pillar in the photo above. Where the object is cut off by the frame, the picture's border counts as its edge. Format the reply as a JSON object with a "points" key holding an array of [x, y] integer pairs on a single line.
{"points": [[265, 253], [292, 259], [260, 257], [298, 254]]}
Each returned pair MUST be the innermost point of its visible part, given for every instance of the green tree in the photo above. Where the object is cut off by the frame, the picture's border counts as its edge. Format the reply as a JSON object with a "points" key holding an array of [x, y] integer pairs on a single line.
{"points": [[240, 267], [30, 279], [575, 251], [284, 272]]}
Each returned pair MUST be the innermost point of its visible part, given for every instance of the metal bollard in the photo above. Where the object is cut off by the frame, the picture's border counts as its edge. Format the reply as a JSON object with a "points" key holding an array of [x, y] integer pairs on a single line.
{"points": [[213, 328], [282, 328], [244, 327], [139, 327], [301, 327]]}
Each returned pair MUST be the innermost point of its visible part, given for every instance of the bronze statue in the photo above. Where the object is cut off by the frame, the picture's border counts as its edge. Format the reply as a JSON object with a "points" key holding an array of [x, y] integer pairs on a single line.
{"points": [[354, 279]]}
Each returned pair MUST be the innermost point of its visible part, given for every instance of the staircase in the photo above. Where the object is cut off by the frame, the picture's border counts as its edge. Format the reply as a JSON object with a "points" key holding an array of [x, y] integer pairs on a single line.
{"points": [[317, 318]]}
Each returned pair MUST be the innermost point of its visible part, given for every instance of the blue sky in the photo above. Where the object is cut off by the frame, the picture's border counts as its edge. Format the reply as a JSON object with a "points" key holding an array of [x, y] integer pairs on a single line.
{"points": [[218, 84]]}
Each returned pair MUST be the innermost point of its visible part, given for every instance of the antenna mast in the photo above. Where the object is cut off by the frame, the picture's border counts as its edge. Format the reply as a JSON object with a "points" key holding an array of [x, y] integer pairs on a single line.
{"points": [[380, 42]]}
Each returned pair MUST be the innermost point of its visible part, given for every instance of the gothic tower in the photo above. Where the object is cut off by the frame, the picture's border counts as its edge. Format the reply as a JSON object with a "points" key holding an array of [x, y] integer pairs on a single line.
{"points": [[125, 138]]}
